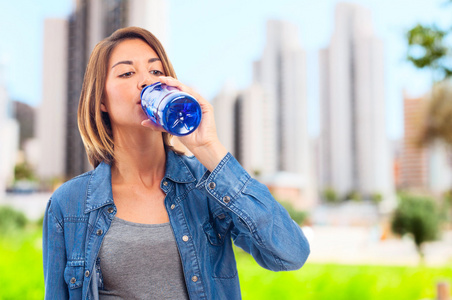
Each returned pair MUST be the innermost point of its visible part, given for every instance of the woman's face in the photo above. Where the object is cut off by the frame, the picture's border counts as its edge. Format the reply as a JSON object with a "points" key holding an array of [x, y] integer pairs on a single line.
{"points": [[133, 65]]}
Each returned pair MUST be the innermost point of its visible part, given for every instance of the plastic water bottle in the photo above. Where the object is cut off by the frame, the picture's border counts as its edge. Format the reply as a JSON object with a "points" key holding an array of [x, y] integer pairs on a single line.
{"points": [[177, 112]]}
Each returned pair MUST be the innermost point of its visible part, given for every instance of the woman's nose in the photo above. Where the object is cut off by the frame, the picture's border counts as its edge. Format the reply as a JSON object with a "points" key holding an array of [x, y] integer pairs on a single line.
{"points": [[145, 81]]}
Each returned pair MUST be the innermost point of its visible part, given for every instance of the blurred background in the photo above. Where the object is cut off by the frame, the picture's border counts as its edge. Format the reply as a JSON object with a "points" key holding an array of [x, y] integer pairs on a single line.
{"points": [[343, 109]]}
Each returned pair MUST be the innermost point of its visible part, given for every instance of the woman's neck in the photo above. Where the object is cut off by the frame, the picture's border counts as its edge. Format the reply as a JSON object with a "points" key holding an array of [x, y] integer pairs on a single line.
{"points": [[139, 159]]}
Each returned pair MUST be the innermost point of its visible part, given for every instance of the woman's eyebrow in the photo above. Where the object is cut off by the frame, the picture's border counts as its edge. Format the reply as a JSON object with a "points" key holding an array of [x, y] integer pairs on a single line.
{"points": [[129, 62], [153, 59], [125, 62]]}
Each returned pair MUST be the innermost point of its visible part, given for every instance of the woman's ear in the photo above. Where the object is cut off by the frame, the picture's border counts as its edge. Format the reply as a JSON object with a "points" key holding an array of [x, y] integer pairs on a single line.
{"points": [[103, 107]]}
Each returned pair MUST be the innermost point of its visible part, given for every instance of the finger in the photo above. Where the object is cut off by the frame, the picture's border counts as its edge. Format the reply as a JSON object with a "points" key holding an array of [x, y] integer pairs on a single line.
{"points": [[168, 80]]}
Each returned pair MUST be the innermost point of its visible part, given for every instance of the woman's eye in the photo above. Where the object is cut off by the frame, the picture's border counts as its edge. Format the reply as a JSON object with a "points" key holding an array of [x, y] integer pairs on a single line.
{"points": [[127, 74], [156, 72]]}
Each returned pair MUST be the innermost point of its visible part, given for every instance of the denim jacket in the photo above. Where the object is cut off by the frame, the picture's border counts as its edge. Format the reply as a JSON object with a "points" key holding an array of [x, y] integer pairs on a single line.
{"points": [[207, 211]]}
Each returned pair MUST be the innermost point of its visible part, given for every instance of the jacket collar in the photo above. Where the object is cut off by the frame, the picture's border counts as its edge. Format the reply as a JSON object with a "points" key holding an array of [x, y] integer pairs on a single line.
{"points": [[99, 188], [100, 193], [176, 169]]}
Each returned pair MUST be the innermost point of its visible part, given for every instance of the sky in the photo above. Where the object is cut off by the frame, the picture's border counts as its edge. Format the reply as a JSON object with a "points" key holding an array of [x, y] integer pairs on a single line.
{"points": [[211, 43]]}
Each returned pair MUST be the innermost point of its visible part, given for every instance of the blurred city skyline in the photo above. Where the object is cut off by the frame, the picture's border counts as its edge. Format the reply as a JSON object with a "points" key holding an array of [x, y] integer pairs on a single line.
{"points": [[211, 44], [274, 72]]}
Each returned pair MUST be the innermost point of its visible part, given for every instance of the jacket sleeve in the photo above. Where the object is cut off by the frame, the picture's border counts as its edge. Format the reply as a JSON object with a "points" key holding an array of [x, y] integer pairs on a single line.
{"points": [[54, 256], [262, 227]]}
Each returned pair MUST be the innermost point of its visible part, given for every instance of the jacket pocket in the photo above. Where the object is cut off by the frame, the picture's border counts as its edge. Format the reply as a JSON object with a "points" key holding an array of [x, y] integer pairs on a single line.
{"points": [[73, 273], [221, 254]]}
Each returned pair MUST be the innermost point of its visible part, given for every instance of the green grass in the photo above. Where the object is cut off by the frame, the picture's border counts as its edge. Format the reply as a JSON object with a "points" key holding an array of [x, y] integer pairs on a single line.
{"points": [[347, 282], [21, 277]]}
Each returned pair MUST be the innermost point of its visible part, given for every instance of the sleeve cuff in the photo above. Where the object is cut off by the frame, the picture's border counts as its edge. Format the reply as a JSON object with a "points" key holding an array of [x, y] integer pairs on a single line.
{"points": [[227, 180]]}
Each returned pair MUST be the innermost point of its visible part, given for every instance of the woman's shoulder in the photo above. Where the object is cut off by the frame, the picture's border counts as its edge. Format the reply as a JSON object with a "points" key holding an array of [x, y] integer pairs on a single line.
{"points": [[73, 184], [72, 192]]}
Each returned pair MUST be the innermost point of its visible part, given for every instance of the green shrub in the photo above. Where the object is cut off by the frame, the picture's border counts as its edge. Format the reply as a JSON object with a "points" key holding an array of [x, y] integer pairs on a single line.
{"points": [[353, 195], [418, 216], [446, 209], [24, 171], [297, 215], [376, 197], [39, 221], [330, 195], [11, 220]]}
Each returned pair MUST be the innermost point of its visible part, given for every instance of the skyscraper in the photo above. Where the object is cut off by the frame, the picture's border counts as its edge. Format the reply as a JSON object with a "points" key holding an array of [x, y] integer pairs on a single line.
{"points": [[243, 122], [52, 117], [9, 137], [354, 145], [414, 160], [91, 22], [224, 104], [265, 125], [251, 126], [282, 74]]}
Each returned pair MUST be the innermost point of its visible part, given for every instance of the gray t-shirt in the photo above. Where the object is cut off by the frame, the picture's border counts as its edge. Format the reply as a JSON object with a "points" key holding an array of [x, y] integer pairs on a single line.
{"points": [[141, 261]]}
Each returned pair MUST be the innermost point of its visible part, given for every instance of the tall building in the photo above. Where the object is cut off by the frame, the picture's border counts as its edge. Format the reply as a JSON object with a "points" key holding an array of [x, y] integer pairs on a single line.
{"points": [[282, 74], [224, 104], [25, 116], [265, 125], [91, 21], [52, 116], [354, 146], [243, 122], [414, 160], [422, 168], [9, 137], [251, 126]]}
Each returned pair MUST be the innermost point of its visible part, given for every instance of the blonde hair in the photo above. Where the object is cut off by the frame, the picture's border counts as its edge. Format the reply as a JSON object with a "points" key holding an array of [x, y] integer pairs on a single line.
{"points": [[94, 125]]}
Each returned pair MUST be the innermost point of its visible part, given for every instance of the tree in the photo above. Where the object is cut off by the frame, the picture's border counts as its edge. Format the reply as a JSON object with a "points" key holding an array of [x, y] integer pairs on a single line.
{"points": [[437, 122], [417, 216], [428, 49]]}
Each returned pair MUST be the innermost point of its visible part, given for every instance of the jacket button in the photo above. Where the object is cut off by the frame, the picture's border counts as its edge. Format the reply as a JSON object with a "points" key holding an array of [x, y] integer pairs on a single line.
{"points": [[185, 238], [73, 280], [165, 183], [99, 232], [212, 185], [87, 273], [110, 210], [173, 206], [226, 199], [194, 278]]}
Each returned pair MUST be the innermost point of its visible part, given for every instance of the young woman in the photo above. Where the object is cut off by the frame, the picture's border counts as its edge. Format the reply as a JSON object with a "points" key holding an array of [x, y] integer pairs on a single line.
{"points": [[149, 222]]}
